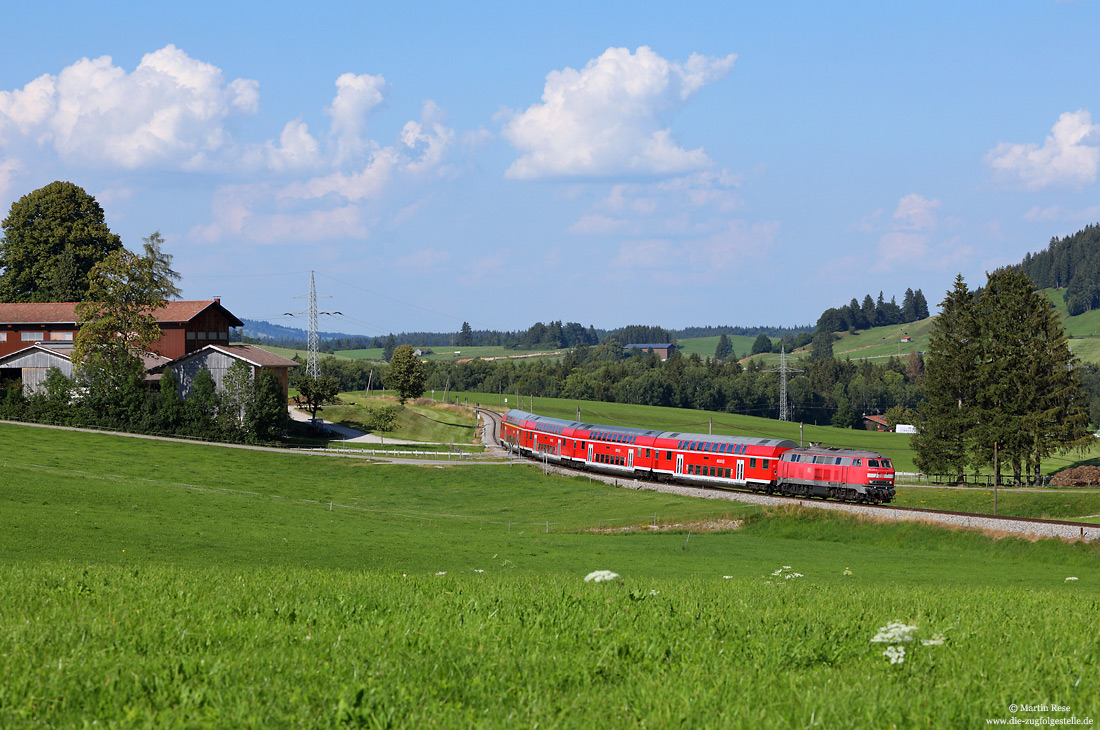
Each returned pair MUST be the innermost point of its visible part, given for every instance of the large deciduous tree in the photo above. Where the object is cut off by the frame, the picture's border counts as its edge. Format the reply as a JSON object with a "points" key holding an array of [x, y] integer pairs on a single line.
{"points": [[117, 325], [405, 374], [314, 392], [52, 239]]}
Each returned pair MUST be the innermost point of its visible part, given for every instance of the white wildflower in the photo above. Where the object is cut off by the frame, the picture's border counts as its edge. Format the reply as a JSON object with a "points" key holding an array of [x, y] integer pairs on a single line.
{"points": [[653, 591], [936, 640], [599, 576], [847, 571], [727, 577], [1070, 578], [896, 654], [786, 573], [894, 632], [478, 570], [442, 572]]}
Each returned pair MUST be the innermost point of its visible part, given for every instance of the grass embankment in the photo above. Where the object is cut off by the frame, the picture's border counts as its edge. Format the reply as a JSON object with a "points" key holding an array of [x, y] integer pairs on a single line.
{"points": [[420, 420], [159, 584]]}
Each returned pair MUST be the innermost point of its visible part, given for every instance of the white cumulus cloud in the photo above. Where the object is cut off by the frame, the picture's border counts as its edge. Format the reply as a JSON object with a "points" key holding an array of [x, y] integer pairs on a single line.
{"points": [[356, 96], [170, 109], [916, 212], [1065, 156], [608, 118]]}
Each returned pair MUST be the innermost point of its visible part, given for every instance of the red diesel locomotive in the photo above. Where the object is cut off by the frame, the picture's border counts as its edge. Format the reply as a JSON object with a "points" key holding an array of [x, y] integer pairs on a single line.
{"points": [[771, 466]]}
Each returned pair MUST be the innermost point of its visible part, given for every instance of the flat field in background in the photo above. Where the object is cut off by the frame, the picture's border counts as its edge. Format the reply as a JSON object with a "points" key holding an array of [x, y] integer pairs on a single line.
{"points": [[147, 583], [457, 353]]}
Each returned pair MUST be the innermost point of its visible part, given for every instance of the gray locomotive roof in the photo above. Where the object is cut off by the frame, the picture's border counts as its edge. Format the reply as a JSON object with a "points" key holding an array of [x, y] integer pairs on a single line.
{"points": [[836, 451], [674, 435]]}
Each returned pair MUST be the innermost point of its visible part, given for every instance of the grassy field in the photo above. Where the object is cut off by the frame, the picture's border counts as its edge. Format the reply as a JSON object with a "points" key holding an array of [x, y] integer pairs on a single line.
{"points": [[420, 420], [705, 346], [153, 584]]}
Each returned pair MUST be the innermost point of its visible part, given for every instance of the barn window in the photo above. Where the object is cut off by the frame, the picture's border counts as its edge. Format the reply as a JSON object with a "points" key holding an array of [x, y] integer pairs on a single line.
{"points": [[31, 336], [3, 336], [190, 335], [61, 336]]}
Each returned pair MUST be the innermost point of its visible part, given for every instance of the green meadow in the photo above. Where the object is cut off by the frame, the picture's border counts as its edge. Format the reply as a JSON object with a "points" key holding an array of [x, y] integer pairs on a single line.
{"points": [[158, 584]]}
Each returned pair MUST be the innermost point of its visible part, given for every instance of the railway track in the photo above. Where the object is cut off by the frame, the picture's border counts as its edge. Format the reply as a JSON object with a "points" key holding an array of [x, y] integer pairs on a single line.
{"points": [[1024, 526]]}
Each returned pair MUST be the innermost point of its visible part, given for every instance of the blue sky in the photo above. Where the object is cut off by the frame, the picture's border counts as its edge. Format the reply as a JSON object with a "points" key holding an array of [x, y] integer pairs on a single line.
{"points": [[612, 163]]}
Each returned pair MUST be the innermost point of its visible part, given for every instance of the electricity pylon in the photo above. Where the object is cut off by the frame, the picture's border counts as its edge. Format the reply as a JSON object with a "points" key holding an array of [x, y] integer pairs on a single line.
{"points": [[314, 341]]}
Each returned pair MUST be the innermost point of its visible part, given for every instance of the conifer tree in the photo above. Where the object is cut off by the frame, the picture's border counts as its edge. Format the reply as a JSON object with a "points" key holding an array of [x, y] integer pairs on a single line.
{"points": [[724, 349], [948, 415]]}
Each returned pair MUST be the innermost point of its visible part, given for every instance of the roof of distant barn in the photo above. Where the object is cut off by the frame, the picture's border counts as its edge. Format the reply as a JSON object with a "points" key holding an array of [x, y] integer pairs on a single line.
{"points": [[65, 312], [249, 353]]}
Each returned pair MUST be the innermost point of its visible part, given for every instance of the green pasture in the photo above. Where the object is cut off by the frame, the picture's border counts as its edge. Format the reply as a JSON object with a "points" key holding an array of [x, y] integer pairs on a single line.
{"points": [[420, 420], [704, 347], [1076, 505], [289, 353], [157, 584]]}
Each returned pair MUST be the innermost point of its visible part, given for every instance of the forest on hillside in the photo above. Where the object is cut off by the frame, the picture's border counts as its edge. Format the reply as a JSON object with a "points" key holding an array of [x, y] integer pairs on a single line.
{"points": [[1071, 263]]}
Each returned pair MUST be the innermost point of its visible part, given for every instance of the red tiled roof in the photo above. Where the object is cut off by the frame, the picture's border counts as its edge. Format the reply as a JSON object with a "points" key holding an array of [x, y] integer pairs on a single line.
{"points": [[65, 312]]}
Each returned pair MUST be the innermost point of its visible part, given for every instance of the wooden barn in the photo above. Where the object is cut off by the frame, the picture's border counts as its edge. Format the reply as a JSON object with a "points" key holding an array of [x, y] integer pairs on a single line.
{"points": [[219, 358], [31, 364], [187, 326], [663, 349]]}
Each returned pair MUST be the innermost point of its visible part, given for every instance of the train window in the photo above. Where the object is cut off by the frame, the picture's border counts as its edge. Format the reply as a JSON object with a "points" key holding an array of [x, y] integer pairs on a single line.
{"points": [[886, 464], [859, 462], [647, 453], [872, 462], [668, 455], [763, 463], [752, 463], [727, 473]]}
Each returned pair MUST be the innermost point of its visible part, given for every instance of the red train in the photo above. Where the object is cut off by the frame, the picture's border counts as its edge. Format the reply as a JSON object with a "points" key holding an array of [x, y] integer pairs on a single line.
{"points": [[771, 466]]}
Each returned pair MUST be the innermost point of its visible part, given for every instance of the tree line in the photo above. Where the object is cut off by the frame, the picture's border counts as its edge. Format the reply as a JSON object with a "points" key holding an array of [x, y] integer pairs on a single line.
{"points": [[1002, 387], [872, 313]]}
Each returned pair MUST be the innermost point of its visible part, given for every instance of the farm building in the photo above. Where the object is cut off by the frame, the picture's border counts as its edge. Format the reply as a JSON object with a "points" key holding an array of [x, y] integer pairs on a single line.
{"points": [[662, 350], [187, 326], [219, 358], [31, 364], [875, 423]]}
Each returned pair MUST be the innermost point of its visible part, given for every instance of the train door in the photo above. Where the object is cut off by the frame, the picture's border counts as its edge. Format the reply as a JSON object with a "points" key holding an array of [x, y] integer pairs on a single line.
{"points": [[630, 458], [679, 463], [591, 451], [740, 470]]}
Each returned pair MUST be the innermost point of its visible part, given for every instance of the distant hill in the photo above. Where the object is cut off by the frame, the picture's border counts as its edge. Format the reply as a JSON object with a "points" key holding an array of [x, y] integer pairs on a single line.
{"points": [[267, 331]]}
